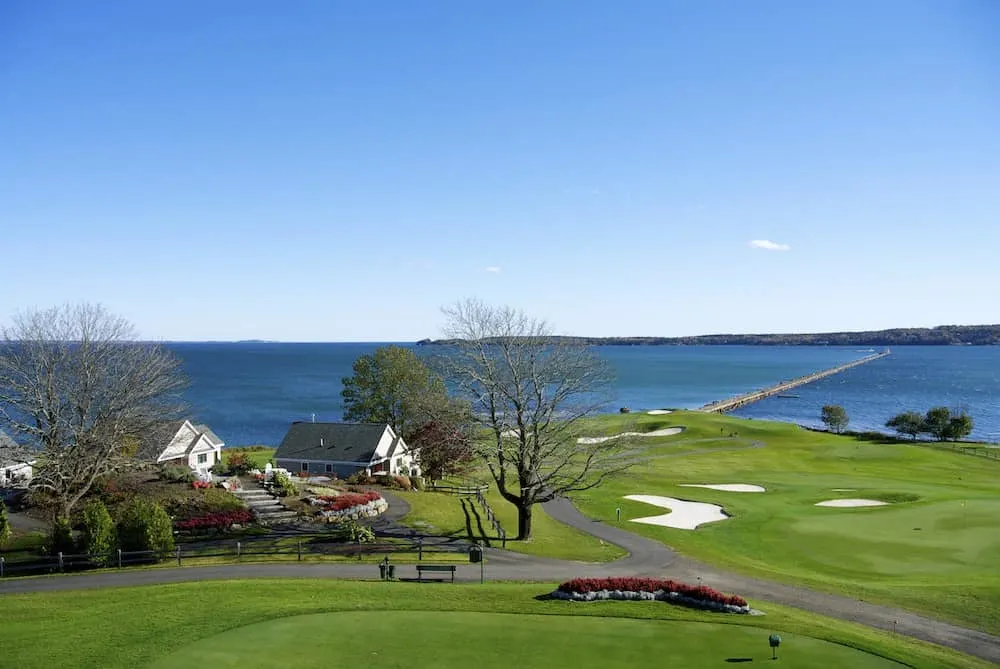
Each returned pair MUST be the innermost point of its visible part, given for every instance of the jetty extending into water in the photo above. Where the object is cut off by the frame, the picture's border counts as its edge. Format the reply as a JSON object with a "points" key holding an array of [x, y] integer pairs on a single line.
{"points": [[755, 396]]}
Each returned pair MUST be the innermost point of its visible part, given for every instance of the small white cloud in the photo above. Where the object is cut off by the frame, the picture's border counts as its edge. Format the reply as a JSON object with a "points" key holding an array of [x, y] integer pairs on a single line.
{"points": [[493, 270], [768, 245]]}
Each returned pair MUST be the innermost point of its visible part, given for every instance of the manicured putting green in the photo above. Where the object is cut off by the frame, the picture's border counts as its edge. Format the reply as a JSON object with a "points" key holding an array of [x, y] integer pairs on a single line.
{"points": [[370, 639]]}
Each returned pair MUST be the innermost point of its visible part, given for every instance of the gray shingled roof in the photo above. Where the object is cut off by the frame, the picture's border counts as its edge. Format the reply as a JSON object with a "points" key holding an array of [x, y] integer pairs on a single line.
{"points": [[342, 442], [207, 431]]}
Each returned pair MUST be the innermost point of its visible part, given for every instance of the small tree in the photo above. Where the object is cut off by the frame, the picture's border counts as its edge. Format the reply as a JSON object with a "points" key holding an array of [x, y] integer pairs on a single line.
{"points": [[959, 426], [937, 423], [5, 530], [909, 423], [61, 537], [98, 532], [834, 417], [145, 526], [444, 449], [240, 464]]}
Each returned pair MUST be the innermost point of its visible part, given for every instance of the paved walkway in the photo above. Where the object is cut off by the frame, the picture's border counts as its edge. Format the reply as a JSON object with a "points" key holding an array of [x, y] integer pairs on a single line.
{"points": [[646, 557]]}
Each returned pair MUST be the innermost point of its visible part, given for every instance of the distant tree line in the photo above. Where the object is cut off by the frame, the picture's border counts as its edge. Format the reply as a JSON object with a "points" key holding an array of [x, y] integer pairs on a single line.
{"points": [[944, 335], [940, 423]]}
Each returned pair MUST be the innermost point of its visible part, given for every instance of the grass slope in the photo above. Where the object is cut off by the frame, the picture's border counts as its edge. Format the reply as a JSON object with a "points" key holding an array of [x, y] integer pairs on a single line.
{"points": [[448, 515], [260, 455], [133, 627], [937, 553]]}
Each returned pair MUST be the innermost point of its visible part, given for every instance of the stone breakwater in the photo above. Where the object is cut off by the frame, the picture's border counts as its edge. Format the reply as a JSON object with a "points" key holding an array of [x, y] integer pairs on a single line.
{"points": [[659, 596]]}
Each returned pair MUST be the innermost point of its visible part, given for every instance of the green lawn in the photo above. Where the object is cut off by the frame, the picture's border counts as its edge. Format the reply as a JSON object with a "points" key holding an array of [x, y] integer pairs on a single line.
{"points": [[448, 515], [937, 553], [260, 455], [460, 640], [313, 623]]}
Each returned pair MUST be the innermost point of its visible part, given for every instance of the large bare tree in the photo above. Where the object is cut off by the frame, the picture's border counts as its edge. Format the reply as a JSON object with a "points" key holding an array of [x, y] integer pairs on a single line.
{"points": [[80, 393], [531, 392]]}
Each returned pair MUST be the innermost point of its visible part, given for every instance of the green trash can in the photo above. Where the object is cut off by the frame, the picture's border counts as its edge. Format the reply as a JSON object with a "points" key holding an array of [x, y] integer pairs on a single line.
{"points": [[391, 575], [382, 569], [475, 554]]}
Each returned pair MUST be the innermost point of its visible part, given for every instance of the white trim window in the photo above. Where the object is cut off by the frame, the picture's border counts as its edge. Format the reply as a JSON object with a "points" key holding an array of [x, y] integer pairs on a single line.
{"points": [[203, 458], [305, 467]]}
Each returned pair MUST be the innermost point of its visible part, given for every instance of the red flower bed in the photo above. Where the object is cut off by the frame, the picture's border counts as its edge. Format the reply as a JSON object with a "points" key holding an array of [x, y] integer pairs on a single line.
{"points": [[201, 485], [348, 500], [221, 520], [640, 584]]}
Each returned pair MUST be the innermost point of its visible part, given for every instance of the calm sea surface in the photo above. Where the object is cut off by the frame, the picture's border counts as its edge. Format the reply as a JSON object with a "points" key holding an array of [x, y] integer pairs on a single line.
{"points": [[250, 392]]}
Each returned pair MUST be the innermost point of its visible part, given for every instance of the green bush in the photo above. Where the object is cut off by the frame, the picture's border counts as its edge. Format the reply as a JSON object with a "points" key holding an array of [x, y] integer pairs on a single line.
{"points": [[360, 478], [61, 538], [177, 474], [5, 531], [283, 485], [98, 532], [354, 532], [240, 464], [145, 526], [418, 483]]}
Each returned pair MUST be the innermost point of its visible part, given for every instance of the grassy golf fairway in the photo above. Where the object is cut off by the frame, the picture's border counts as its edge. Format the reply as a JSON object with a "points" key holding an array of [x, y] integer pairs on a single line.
{"points": [[487, 640], [934, 548], [313, 623]]}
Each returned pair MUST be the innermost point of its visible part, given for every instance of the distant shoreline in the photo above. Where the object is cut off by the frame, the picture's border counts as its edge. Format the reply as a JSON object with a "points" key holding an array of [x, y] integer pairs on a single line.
{"points": [[945, 335]]}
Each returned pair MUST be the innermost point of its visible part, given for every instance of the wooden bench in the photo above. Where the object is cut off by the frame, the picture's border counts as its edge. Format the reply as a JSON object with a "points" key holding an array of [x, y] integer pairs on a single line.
{"points": [[421, 568]]}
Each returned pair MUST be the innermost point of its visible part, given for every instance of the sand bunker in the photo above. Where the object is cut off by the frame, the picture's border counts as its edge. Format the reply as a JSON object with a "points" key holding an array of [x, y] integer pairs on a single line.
{"points": [[683, 515], [726, 487], [851, 502], [659, 412], [665, 432]]}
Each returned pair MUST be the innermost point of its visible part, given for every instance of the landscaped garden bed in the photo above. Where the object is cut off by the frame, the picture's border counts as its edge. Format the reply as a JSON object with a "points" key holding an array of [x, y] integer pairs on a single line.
{"points": [[650, 589], [349, 505]]}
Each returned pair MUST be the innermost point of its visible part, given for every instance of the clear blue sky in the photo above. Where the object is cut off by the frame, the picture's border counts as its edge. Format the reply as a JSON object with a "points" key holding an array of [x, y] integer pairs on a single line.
{"points": [[336, 171]]}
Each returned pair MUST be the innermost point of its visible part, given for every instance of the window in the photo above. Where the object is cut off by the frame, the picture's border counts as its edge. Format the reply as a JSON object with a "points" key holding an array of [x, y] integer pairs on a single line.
{"points": [[305, 466], [202, 458], [399, 465], [329, 469]]}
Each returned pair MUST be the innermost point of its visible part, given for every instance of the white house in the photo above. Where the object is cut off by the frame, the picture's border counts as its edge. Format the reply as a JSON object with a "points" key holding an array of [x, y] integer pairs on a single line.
{"points": [[185, 443], [345, 448], [12, 471]]}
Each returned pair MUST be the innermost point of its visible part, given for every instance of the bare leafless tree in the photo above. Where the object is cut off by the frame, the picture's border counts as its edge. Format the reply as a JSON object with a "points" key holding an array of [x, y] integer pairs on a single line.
{"points": [[531, 392], [80, 394]]}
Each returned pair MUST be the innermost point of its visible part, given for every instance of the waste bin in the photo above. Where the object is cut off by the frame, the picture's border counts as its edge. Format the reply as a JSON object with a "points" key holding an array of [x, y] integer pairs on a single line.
{"points": [[382, 568], [392, 572], [475, 554]]}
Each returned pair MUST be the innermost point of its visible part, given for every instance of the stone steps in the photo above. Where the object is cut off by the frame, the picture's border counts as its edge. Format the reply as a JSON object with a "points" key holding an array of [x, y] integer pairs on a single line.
{"points": [[267, 508], [273, 517], [251, 494]]}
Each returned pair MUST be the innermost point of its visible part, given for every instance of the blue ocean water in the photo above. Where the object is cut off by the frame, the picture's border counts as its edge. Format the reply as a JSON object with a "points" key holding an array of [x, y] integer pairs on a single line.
{"points": [[913, 378], [250, 392]]}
